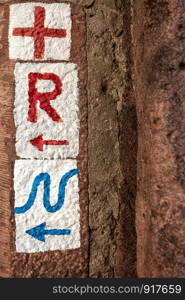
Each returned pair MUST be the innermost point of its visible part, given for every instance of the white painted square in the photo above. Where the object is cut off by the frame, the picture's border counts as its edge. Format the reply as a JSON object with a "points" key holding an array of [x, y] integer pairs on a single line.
{"points": [[67, 217], [57, 16], [66, 105]]}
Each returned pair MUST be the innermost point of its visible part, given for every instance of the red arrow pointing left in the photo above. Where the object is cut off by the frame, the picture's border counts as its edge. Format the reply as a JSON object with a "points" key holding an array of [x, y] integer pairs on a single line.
{"points": [[39, 142]]}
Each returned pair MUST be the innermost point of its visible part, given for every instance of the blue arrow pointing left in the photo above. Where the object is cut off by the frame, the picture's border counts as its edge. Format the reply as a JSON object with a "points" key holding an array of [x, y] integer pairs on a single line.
{"points": [[39, 232]]}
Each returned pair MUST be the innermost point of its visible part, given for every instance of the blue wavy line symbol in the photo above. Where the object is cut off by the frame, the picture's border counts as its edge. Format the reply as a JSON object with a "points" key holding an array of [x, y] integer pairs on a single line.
{"points": [[45, 177]]}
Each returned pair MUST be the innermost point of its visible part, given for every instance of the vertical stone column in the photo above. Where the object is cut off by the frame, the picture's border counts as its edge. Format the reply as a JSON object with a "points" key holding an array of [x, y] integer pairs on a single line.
{"points": [[159, 72], [112, 140]]}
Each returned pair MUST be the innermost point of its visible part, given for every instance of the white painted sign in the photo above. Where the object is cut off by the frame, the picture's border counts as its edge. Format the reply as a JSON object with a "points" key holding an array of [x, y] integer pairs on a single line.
{"points": [[40, 31], [47, 211], [46, 115], [46, 110]]}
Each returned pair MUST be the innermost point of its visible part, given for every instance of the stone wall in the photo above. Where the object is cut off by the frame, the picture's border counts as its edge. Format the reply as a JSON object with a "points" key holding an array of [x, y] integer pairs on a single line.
{"points": [[112, 143], [136, 63]]}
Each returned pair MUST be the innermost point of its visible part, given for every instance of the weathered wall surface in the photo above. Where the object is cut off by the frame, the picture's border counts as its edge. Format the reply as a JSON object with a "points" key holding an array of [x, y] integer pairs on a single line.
{"points": [[111, 128], [159, 51], [112, 141]]}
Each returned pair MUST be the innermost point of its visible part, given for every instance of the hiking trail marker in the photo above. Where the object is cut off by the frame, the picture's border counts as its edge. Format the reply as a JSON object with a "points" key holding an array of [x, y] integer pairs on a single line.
{"points": [[46, 103], [46, 115], [40, 31], [46, 193]]}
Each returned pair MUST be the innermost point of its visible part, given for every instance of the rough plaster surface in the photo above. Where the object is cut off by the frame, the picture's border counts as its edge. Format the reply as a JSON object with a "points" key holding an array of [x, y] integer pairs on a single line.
{"points": [[66, 105], [67, 217], [58, 15]]}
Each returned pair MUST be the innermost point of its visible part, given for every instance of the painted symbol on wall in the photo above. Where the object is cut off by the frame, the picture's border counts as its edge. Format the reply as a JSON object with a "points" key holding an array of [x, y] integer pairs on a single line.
{"points": [[40, 31], [39, 142], [46, 110], [45, 177], [39, 232], [43, 98], [46, 205]]}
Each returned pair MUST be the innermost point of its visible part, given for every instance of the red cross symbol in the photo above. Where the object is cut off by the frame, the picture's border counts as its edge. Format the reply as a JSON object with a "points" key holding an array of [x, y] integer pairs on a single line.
{"points": [[39, 32]]}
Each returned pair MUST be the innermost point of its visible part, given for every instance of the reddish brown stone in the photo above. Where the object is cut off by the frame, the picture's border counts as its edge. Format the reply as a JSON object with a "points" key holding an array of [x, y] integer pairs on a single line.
{"points": [[159, 72], [69, 263]]}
